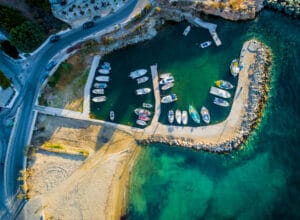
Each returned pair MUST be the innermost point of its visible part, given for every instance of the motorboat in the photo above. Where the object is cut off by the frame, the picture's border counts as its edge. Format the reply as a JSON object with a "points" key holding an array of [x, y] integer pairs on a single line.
{"points": [[220, 102], [112, 115], [184, 117], [205, 115], [141, 123], [141, 111], [143, 91], [219, 92], [147, 105], [144, 118], [137, 73], [186, 30], [194, 114], [142, 79], [99, 99], [169, 98], [98, 91], [223, 84], [178, 116], [166, 80], [104, 71], [102, 78], [106, 65], [205, 44], [234, 67], [165, 75], [167, 86], [100, 85], [171, 116]]}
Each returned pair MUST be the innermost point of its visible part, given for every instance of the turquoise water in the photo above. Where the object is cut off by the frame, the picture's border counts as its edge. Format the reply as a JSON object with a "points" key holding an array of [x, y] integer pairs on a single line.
{"points": [[260, 181]]}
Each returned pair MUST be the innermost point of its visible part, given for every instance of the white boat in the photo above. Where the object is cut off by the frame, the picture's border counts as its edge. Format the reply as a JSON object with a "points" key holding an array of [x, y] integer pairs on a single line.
{"points": [[98, 91], [100, 85], [102, 78], [99, 99], [169, 98], [106, 65], [147, 105], [205, 44], [142, 79], [186, 30], [137, 73], [165, 75], [166, 80], [234, 67], [140, 122], [144, 118], [178, 116], [104, 71], [167, 86], [171, 116], [205, 115], [219, 92], [143, 91], [184, 117], [141, 111], [220, 102], [112, 115], [223, 84]]}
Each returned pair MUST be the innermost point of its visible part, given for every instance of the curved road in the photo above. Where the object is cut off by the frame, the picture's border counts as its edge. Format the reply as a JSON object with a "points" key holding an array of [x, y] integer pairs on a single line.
{"points": [[15, 156]]}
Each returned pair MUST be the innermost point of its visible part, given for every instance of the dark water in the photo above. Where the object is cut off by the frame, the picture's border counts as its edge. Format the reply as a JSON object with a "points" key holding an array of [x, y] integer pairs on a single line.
{"points": [[260, 181]]}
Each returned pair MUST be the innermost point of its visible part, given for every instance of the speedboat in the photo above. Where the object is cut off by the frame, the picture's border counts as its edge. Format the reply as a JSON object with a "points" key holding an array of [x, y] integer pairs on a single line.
{"points": [[98, 91], [171, 116], [143, 91], [234, 67], [194, 114], [99, 99], [141, 123], [219, 92], [186, 30], [166, 80], [112, 115], [167, 86], [205, 115], [104, 71], [106, 65], [223, 84], [137, 73], [178, 116], [100, 85], [221, 102], [142, 79], [144, 118], [184, 117], [141, 111], [165, 75], [147, 105], [102, 78], [169, 98], [205, 44]]}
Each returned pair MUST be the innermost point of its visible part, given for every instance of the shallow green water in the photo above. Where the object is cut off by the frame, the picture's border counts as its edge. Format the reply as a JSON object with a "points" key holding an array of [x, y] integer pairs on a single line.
{"points": [[262, 180]]}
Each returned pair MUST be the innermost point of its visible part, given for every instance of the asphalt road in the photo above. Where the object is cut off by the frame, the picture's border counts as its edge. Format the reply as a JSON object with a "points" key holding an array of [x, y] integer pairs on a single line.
{"points": [[15, 156]]}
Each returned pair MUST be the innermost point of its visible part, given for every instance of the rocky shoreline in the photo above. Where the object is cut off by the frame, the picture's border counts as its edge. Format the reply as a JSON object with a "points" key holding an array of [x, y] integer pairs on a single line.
{"points": [[289, 7]]}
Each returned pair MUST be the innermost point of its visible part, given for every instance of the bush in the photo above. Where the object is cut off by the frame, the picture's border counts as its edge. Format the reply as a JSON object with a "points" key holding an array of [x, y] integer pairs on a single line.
{"points": [[43, 4], [64, 68], [9, 49], [4, 82], [10, 18]]}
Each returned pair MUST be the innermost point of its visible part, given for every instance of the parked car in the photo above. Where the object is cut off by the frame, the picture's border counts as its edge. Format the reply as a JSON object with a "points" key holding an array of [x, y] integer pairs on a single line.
{"points": [[50, 65], [54, 38], [88, 24]]}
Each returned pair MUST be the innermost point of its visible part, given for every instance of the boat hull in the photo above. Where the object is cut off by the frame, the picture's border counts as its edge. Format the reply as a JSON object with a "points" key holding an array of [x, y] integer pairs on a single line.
{"points": [[194, 114], [205, 115], [178, 116]]}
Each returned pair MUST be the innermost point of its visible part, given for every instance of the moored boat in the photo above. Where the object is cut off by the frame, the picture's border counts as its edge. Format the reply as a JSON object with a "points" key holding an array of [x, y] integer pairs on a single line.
{"points": [[106, 65], [112, 115], [171, 116], [144, 118], [220, 102], [98, 91], [219, 92], [178, 116], [102, 78], [141, 111], [234, 67], [165, 75], [223, 84], [104, 71], [186, 30], [194, 114], [184, 117], [205, 44], [205, 115], [167, 86], [99, 99], [143, 91], [137, 73], [169, 98], [100, 85], [142, 79], [140, 122], [147, 105], [166, 80]]}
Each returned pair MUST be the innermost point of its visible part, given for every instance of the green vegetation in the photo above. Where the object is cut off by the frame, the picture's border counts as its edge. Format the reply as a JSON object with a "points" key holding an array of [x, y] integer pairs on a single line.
{"points": [[42, 4], [53, 146], [90, 46], [9, 49], [4, 82], [63, 69], [10, 18]]}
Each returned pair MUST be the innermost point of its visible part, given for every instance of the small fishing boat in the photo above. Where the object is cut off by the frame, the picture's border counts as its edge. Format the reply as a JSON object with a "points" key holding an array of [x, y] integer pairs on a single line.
{"points": [[147, 105], [169, 98], [104, 71], [234, 67], [166, 80], [137, 73], [205, 44], [219, 92], [194, 114], [106, 65], [112, 115], [186, 30], [178, 116], [141, 123], [142, 79], [167, 86], [143, 91], [144, 118], [184, 117], [165, 75], [141, 111], [102, 78], [98, 91], [205, 115], [220, 102], [100, 85], [99, 99], [171, 116], [223, 84]]}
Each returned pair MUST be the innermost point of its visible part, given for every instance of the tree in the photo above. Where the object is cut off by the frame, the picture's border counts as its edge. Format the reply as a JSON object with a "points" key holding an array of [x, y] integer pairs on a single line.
{"points": [[4, 82], [10, 18], [9, 49]]}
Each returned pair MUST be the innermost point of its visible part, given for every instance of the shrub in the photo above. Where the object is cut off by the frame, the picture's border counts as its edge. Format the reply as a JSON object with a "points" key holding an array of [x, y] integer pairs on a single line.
{"points": [[9, 49], [4, 82], [10, 18]]}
